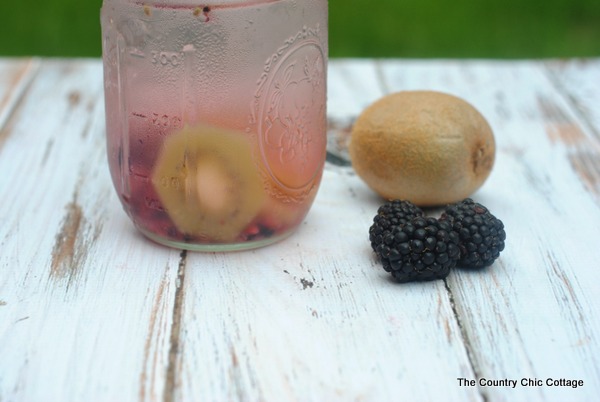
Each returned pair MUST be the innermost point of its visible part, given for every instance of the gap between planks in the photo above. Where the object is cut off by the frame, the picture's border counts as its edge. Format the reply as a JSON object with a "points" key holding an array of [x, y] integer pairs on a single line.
{"points": [[465, 339], [172, 373], [385, 88]]}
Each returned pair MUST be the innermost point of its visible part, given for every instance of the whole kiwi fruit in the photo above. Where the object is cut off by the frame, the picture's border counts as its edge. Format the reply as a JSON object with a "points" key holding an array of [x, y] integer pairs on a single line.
{"points": [[428, 147]]}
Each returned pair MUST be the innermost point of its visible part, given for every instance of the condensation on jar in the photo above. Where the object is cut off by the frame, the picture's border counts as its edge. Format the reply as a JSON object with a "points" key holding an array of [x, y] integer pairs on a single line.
{"points": [[215, 117]]}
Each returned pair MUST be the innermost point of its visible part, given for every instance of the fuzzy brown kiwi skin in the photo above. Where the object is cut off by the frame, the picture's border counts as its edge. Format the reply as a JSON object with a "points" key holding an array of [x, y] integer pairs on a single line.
{"points": [[482, 160], [428, 147]]}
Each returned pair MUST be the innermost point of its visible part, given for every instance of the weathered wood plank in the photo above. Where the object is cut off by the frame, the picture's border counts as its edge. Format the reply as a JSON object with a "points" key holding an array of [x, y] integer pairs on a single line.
{"points": [[121, 323], [352, 84], [534, 314], [86, 302], [15, 76], [579, 82], [89, 310], [314, 317]]}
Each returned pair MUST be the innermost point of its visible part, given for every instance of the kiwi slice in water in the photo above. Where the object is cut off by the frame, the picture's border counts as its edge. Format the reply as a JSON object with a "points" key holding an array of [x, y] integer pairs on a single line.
{"points": [[208, 182]]}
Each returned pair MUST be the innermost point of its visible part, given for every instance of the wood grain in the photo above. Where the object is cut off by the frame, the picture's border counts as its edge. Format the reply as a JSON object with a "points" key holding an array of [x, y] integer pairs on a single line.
{"points": [[578, 82], [16, 75], [532, 314], [86, 300], [90, 310]]}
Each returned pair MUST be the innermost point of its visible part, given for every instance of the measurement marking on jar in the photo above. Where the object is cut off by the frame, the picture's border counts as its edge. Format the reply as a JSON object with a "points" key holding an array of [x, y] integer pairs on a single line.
{"points": [[171, 182], [166, 58], [141, 177], [153, 203], [165, 120], [160, 120]]}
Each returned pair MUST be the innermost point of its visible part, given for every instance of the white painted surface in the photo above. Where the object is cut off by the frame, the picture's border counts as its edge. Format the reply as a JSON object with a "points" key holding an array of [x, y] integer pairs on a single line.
{"points": [[91, 311]]}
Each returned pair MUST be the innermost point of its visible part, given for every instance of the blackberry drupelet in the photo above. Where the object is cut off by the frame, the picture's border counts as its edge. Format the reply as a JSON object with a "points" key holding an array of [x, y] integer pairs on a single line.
{"points": [[389, 215], [419, 250], [481, 234]]}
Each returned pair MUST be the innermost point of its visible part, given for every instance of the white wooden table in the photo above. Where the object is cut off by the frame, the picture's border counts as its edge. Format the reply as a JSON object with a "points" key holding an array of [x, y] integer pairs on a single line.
{"points": [[91, 311]]}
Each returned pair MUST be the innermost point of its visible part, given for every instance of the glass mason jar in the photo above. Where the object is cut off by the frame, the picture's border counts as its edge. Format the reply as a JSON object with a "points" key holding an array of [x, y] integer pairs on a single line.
{"points": [[215, 116]]}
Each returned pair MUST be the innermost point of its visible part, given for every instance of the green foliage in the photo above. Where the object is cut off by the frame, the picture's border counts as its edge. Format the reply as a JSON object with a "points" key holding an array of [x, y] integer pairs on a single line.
{"points": [[50, 27], [358, 28], [465, 28]]}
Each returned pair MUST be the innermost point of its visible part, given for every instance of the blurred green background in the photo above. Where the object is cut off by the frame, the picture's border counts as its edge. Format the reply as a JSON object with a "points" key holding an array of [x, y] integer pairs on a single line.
{"points": [[358, 28]]}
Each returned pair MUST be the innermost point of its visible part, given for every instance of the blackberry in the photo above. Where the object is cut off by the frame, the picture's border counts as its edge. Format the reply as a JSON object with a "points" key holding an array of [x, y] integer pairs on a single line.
{"points": [[481, 234], [389, 215], [419, 250]]}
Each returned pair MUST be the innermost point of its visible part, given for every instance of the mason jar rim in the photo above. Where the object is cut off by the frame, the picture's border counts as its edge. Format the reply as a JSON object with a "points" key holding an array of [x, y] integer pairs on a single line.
{"points": [[194, 3]]}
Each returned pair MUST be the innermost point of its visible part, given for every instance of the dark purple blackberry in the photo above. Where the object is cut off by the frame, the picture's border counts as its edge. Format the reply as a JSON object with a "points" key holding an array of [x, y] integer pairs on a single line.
{"points": [[389, 215], [481, 234], [419, 250]]}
